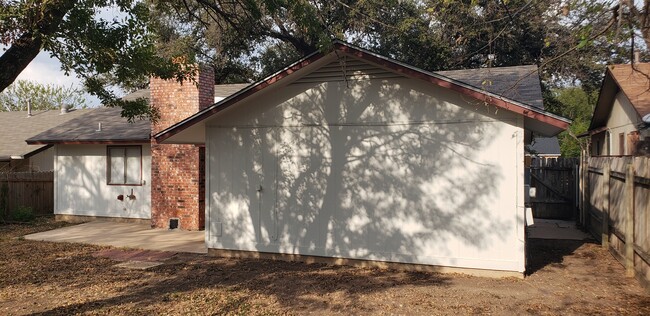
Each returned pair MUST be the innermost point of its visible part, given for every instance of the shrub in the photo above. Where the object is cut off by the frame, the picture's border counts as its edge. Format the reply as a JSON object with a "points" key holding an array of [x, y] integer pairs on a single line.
{"points": [[4, 191], [23, 214]]}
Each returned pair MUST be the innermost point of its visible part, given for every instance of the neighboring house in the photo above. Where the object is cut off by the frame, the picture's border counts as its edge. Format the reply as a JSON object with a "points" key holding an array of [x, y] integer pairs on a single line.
{"points": [[617, 127], [354, 155], [103, 166], [15, 127]]}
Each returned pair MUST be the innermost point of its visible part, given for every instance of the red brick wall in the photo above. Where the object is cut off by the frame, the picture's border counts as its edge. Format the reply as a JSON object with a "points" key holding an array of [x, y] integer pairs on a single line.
{"points": [[177, 170]]}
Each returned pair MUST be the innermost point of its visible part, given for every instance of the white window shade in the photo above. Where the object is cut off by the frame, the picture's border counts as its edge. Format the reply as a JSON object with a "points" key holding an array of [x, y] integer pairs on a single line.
{"points": [[125, 165], [133, 165], [116, 174]]}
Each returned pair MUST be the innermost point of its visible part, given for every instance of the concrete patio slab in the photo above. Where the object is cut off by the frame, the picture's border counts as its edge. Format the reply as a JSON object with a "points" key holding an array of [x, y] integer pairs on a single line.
{"points": [[556, 229], [127, 235]]}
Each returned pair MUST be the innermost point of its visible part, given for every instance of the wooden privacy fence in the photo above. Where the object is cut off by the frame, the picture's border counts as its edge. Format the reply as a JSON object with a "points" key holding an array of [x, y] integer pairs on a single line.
{"points": [[616, 209], [26, 189], [554, 180]]}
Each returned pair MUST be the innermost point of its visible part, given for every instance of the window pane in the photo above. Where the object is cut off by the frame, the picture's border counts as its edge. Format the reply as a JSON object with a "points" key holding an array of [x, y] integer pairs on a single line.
{"points": [[116, 173], [133, 165]]}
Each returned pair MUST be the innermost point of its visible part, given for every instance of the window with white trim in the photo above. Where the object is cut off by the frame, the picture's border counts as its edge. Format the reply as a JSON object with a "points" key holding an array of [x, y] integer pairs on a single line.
{"points": [[124, 165]]}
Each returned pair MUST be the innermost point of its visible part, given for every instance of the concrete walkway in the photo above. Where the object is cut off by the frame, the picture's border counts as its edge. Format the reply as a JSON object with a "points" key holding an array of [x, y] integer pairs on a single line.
{"points": [[556, 229], [127, 235]]}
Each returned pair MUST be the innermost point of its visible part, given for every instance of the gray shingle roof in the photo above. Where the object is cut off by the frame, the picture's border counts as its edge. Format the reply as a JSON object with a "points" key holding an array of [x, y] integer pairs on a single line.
{"points": [[220, 90], [115, 128], [225, 90], [519, 83], [16, 127], [545, 146]]}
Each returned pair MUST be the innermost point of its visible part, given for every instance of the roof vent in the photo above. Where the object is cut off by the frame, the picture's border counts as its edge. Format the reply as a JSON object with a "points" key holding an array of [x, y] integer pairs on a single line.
{"points": [[65, 108], [29, 107]]}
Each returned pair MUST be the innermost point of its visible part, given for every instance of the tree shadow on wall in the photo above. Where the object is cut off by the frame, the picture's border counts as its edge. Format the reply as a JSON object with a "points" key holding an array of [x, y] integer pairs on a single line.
{"points": [[361, 169]]}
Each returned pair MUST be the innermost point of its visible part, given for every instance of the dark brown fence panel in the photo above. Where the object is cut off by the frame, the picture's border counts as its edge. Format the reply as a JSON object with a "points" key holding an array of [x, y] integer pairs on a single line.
{"points": [[555, 182], [26, 189]]}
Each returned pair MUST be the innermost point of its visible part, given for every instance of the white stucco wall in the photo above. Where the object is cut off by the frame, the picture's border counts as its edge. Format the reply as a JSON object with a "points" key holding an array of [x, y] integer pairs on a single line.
{"points": [[80, 184], [622, 119], [391, 170]]}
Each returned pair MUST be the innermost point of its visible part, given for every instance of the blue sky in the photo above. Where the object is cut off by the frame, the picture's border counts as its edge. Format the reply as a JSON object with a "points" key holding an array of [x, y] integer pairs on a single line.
{"points": [[46, 70]]}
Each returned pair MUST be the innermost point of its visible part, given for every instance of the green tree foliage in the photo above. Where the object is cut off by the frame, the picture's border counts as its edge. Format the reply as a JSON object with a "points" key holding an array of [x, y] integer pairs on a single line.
{"points": [[570, 40], [42, 97], [578, 105], [104, 42]]}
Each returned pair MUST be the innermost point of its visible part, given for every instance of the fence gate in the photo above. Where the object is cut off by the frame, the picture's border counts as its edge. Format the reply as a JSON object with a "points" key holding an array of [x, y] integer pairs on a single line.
{"points": [[555, 180]]}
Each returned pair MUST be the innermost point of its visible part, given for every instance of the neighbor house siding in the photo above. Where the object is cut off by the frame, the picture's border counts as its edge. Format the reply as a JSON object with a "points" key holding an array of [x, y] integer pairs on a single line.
{"points": [[81, 184], [390, 170], [623, 119]]}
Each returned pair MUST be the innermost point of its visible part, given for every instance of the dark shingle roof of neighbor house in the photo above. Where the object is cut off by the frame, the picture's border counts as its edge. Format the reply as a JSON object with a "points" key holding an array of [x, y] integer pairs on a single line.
{"points": [[520, 83], [85, 129], [545, 146], [16, 126], [220, 91]]}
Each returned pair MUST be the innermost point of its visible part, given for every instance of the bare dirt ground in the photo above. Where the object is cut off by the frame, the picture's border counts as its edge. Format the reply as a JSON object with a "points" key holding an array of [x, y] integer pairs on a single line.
{"points": [[567, 277]]}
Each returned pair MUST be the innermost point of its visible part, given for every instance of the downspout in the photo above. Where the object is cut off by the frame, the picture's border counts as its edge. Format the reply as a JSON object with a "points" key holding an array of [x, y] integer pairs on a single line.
{"points": [[55, 179], [29, 107], [608, 139]]}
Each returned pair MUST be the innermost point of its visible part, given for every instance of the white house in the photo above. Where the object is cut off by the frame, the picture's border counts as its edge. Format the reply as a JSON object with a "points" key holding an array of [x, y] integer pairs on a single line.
{"points": [[354, 155], [107, 168], [102, 166], [16, 126]]}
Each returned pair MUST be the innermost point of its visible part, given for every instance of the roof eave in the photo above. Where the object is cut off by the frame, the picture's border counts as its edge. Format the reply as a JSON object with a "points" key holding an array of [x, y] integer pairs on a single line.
{"points": [[394, 65], [88, 142], [232, 99], [454, 85]]}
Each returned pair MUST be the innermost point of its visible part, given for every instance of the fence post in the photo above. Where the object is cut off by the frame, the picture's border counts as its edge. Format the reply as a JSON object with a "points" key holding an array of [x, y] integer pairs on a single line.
{"points": [[605, 213], [586, 214], [629, 221], [581, 185]]}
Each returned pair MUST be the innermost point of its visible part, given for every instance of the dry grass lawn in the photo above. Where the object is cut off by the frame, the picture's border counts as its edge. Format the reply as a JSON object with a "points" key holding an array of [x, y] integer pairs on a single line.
{"points": [[62, 279]]}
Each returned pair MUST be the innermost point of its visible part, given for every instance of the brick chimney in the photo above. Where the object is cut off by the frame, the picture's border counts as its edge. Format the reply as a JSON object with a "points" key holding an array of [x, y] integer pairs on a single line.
{"points": [[177, 171]]}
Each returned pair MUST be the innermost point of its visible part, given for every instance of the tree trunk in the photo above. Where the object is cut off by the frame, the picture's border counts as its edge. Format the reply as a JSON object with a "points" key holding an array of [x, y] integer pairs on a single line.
{"points": [[25, 48], [17, 57]]}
